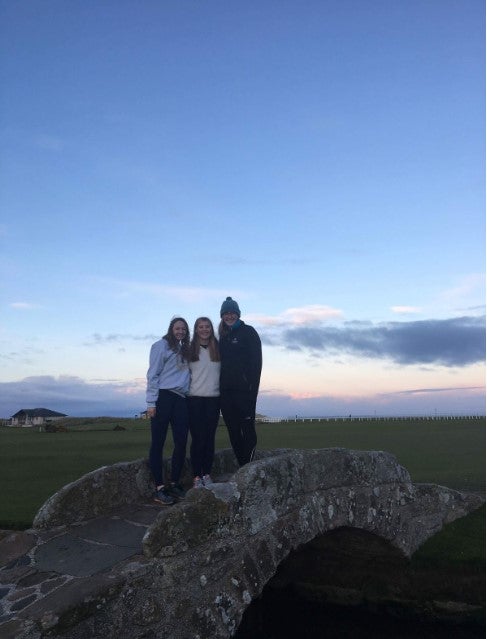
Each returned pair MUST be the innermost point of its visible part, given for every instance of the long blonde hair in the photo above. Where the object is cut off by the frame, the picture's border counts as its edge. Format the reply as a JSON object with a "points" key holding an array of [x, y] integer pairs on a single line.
{"points": [[194, 347]]}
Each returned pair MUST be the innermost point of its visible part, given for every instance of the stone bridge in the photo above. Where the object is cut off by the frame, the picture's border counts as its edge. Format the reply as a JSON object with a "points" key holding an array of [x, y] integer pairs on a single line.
{"points": [[103, 561]]}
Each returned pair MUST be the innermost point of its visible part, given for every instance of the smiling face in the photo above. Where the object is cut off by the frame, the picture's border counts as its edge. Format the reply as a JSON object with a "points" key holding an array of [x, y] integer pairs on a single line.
{"points": [[204, 331], [179, 330], [229, 318]]}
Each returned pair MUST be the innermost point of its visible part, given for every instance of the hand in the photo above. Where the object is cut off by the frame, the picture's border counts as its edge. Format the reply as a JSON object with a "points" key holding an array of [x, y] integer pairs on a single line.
{"points": [[151, 412]]}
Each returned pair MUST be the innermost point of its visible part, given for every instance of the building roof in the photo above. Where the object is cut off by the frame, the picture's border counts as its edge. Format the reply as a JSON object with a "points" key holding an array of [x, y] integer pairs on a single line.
{"points": [[37, 412]]}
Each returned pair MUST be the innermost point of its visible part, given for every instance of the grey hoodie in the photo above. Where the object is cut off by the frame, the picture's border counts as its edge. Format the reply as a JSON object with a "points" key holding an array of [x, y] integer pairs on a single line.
{"points": [[166, 371]]}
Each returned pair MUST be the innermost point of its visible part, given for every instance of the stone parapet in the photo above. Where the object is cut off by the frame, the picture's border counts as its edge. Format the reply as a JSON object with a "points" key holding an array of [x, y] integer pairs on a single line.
{"points": [[189, 571]]}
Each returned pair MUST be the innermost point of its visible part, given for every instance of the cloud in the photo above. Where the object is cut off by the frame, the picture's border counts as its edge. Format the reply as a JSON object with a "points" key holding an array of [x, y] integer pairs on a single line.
{"points": [[81, 398], [405, 309], [97, 339], [466, 285], [299, 316], [230, 260], [24, 306], [467, 290], [416, 402], [186, 294], [452, 342], [423, 391], [238, 260], [311, 314], [26, 354], [73, 395]]}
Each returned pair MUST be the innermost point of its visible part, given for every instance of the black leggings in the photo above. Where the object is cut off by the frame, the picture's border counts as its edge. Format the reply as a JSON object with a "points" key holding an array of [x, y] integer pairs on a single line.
{"points": [[204, 413], [238, 410]]}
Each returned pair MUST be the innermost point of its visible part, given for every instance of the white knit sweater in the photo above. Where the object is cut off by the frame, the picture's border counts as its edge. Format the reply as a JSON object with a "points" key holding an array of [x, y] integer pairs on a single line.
{"points": [[205, 376]]}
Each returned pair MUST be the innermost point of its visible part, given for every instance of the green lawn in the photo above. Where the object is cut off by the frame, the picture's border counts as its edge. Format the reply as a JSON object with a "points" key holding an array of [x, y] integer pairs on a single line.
{"points": [[446, 452], [34, 465]]}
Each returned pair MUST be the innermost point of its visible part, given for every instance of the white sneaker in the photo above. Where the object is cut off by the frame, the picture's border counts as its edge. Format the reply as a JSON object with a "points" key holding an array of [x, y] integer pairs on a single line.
{"points": [[207, 480], [198, 482]]}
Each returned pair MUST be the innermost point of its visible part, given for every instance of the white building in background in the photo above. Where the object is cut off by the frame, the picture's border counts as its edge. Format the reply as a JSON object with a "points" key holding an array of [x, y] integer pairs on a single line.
{"points": [[28, 417]]}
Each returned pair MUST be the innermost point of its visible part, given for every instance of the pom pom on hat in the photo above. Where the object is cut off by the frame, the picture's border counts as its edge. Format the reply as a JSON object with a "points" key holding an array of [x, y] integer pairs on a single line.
{"points": [[229, 306]]}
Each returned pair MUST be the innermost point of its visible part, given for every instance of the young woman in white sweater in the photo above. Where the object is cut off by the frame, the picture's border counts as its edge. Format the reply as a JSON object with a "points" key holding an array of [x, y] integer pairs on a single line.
{"points": [[204, 400]]}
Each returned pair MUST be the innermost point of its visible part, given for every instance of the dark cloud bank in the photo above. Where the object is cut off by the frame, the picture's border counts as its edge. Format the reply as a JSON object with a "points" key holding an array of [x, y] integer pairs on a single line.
{"points": [[452, 342], [78, 398], [72, 396]]}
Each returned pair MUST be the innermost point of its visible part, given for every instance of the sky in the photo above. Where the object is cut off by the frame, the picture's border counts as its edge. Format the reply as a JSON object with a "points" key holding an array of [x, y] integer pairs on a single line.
{"points": [[321, 161]]}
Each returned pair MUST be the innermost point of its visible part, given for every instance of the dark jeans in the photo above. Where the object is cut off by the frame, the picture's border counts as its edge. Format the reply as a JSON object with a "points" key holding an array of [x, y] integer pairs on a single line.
{"points": [[170, 409], [238, 410], [204, 413]]}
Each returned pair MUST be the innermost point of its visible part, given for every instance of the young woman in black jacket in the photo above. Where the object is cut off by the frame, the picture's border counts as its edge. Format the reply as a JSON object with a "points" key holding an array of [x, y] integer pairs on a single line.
{"points": [[241, 365]]}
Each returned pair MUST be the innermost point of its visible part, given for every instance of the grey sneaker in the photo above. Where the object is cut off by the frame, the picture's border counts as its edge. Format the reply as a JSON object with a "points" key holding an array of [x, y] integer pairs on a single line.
{"points": [[162, 497], [207, 480], [198, 482], [176, 490]]}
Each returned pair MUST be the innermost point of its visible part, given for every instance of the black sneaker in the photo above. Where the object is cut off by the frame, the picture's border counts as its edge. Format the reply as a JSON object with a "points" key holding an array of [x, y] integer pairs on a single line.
{"points": [[176, 490], [163, 497]]}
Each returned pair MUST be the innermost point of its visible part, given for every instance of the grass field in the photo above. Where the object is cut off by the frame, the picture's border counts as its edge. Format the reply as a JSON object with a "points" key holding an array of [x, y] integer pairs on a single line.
{"points": [[34, 465]]}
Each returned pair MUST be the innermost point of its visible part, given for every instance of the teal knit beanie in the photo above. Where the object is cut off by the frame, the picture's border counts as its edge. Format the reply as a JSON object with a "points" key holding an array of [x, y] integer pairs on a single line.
{"points": [[229, 306]]}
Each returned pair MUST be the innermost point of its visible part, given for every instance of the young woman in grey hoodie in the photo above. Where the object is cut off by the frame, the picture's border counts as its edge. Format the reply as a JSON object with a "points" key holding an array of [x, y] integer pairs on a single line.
{"points": [[168, 380]]}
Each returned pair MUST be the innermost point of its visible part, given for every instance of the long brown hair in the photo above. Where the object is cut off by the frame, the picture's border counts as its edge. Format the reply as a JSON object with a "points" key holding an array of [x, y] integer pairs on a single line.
{"points": [[223, 329], [174, 344], [213, 349]]}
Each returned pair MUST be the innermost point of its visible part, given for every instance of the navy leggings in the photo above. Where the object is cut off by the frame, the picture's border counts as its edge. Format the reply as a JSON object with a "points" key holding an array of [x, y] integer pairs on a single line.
{"points": [[204, 413], [172, 409]]}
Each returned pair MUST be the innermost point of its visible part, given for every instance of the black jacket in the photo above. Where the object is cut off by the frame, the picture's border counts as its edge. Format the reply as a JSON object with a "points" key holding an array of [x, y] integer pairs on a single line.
{"points": [[241, 359]]}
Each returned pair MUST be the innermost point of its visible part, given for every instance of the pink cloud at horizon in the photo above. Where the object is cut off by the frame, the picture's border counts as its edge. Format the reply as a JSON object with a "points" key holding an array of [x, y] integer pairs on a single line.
{"points": [[298, 316]]}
